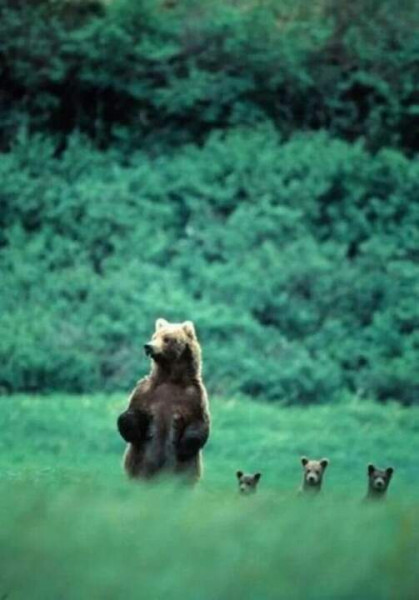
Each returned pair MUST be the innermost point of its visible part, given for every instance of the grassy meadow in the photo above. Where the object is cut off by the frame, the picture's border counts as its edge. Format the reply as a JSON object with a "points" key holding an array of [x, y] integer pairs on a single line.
{"points": [[252, 166], [72, 527]]}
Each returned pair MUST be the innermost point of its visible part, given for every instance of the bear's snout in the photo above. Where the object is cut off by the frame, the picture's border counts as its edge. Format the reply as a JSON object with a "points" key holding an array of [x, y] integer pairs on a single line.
{"points": [[148, 349], [312, 479], [379, 484]]}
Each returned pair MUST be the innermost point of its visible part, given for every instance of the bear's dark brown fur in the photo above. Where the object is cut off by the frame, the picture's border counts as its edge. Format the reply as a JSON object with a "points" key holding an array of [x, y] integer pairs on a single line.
{"points": [[167, 421]]}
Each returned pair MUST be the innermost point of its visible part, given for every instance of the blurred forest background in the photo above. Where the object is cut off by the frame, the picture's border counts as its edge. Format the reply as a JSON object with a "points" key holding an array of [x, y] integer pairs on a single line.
{"points": [[250, 165]]}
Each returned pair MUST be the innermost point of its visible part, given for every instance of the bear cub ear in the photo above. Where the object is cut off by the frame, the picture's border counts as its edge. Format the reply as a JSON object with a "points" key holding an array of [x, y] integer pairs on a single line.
{"points": [[239, 474], [189, 329], [324, 462], [304, 460], [161, 323], [389, 471], [257, 476], [371, 469]]}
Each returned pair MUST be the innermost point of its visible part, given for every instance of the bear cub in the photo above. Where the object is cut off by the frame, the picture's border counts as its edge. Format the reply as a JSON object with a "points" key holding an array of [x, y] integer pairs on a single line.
{"points": [[378, 482], [313, 471], [248, 483]]}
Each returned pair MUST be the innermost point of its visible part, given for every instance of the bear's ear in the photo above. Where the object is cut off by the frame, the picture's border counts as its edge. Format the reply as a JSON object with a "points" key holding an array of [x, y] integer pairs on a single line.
{"points": [[324, 462], [304, 460], [189, 329], [161, 323], [389, 471], [239, 474], [371, 469], [257, 476]]}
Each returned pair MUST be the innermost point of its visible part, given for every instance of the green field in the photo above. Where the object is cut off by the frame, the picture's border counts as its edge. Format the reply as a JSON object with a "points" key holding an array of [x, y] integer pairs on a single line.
{"points": [[73, 527]]}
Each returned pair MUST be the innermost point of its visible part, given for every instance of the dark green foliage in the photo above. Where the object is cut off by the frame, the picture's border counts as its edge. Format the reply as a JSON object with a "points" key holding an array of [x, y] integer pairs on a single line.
{"points": [[297, 260], [171, 71]]}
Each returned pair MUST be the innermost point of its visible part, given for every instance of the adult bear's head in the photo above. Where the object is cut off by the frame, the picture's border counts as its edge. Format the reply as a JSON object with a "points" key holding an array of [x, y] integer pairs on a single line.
{"points": [[174, 343]]}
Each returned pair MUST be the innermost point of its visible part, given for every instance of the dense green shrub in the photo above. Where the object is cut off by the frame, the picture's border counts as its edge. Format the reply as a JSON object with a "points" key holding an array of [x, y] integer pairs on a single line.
{"points": [[298, 261]]}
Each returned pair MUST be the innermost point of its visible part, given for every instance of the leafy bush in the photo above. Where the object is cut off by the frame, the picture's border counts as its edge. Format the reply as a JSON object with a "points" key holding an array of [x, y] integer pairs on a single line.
{"points": [[297, 260]]}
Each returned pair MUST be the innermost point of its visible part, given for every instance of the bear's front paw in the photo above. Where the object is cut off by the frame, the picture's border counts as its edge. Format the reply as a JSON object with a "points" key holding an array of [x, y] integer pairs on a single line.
{"points": [[133, 426]]}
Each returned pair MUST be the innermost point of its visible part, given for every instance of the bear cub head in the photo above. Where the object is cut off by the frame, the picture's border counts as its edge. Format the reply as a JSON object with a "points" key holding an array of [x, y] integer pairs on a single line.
{"points": [[248, 483], [313, 473], [378, 480], [173, 342]]}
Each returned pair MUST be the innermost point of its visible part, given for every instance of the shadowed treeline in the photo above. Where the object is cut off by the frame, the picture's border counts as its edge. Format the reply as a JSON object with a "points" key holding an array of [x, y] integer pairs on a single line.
{"points": [[170, 72]]}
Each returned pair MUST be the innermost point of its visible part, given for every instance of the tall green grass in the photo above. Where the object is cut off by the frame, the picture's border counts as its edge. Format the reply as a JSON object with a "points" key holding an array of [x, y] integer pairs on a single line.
{"points": [[71, 526]]}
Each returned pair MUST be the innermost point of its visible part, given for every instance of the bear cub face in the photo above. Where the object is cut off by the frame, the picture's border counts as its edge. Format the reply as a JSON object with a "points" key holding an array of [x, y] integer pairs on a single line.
{"points": [[313, 473], [378, 480], [170, 341], [248, 483]]}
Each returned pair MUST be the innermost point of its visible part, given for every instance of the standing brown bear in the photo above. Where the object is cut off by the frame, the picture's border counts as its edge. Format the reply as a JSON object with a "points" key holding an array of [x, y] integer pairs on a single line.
{"points": [[167, 421]]}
